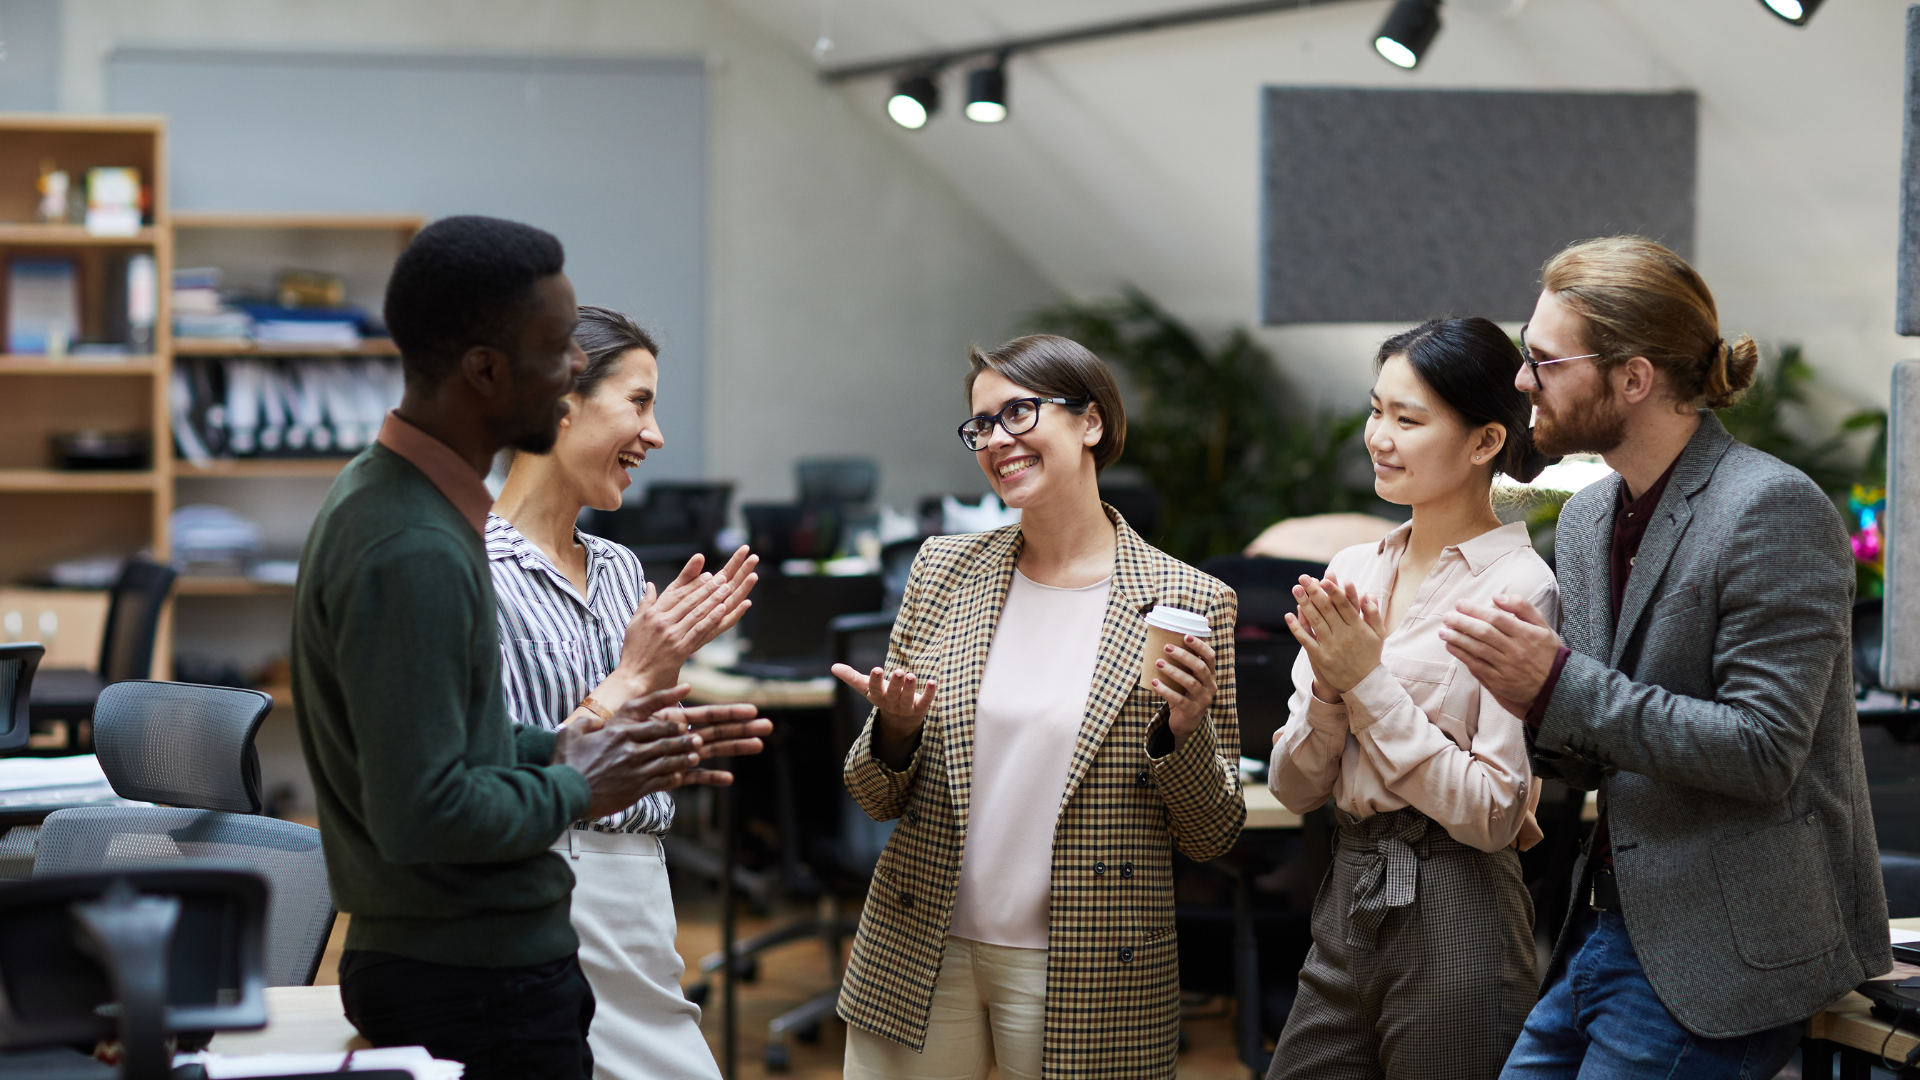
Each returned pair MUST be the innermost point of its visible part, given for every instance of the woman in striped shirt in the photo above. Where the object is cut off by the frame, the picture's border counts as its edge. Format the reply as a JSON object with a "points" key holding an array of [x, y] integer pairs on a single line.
{"points": [[580, 630]]}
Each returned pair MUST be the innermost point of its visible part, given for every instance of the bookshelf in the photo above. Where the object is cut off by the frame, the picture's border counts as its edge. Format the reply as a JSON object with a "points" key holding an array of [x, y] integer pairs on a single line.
{"points": [[48, 514], [280, 493]]}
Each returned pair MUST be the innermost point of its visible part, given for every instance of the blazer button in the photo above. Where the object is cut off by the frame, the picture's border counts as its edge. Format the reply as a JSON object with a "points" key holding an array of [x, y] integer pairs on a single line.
{"points": [[1126, 869], [1099, 868], [913, 817], [1141, 778], [1126, 954], [906, 900]]}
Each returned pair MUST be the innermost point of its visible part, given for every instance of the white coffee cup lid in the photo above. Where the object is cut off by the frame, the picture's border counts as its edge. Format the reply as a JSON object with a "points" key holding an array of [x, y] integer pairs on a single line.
{"points": [[1178, 620]]}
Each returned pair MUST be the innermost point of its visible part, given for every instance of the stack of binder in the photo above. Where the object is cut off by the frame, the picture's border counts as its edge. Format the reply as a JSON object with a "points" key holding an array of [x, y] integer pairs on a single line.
{"points": [[256, 408]]}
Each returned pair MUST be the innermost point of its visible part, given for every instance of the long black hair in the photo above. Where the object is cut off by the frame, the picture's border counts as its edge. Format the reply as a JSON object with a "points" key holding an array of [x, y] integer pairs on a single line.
{"points": [[1471, 363]]}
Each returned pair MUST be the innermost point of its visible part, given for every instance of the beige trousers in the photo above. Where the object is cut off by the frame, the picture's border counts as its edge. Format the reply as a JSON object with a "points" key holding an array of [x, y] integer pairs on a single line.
{"points": [[989, 1006], [644, 1028]]}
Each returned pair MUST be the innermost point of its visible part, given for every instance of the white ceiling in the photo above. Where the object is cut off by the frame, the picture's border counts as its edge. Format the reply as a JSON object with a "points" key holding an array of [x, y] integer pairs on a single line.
{"points": [[1135, 159]]}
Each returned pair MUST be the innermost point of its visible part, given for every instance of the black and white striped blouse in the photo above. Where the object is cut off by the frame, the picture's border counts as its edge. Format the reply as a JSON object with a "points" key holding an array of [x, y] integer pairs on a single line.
{"points": [[555, 647]]}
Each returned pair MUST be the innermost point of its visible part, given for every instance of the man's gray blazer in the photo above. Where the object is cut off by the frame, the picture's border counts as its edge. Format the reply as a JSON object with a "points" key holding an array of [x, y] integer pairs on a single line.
{"points": [[1718, 724]]}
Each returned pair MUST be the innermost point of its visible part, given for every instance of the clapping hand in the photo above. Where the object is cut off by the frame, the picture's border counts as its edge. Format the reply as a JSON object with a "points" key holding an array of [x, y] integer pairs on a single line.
{"points": [[1341, 631], [694, 609]]}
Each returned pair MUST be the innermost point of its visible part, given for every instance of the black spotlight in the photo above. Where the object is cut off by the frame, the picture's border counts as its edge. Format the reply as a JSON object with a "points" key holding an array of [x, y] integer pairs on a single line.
{"points": [[1410, 27], [1797, 12], [915, 98], [987, 93]]}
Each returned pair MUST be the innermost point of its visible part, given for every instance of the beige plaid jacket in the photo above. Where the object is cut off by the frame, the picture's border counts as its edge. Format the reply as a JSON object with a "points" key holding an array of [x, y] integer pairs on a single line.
{"points": [[1113, 995]]}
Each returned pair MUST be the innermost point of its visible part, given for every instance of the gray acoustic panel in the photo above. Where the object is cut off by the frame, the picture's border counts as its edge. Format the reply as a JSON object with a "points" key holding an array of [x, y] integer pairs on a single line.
{"points": [[1900, 639], [1906, 308], [29, 55], [1398, 205]]}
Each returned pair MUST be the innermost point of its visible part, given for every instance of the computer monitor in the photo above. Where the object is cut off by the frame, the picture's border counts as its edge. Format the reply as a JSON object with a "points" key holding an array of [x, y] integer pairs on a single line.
{"points": [[788, 624]]}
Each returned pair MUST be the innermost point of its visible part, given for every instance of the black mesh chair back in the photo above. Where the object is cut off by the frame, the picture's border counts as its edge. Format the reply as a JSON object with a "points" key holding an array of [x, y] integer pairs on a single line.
{"points": [[288, 855], [837, 480], [896, 565], [18, 661], [182, 744], [133, 618], [1263, 649], [683, 513]]}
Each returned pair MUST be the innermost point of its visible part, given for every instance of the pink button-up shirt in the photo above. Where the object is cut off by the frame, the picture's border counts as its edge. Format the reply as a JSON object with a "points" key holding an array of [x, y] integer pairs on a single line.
{"points": [[1418, 730]]}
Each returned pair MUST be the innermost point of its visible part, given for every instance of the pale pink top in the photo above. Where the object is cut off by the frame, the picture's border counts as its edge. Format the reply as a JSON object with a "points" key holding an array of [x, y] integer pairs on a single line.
{"points": [[1418, 730], [1033, 699]]}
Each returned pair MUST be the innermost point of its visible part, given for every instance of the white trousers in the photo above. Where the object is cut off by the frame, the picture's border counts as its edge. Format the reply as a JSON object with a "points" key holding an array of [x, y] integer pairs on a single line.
{"points": [[644, 1028], [989, 1005]]}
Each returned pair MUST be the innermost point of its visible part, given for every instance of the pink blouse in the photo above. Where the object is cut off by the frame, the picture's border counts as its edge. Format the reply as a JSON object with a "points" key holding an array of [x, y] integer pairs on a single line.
{"points": [[1418, 730]]}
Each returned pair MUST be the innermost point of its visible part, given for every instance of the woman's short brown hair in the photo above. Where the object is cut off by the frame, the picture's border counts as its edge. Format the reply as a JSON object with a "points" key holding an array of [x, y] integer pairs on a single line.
{"points": [[606, 335], [1053, 366]]}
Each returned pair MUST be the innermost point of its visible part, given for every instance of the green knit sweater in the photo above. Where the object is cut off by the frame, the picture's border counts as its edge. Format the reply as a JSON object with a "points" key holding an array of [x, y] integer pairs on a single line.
{"points": [[436, 811]]}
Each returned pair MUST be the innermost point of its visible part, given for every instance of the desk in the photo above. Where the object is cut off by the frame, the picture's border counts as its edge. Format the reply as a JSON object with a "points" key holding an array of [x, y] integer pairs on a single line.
{"points": [[1264, 810], [1849, 1027], [711, 686], [300, 1020]]}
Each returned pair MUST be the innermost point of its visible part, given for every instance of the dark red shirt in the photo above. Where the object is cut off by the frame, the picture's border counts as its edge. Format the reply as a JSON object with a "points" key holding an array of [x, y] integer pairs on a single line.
{"points": [[1630, 520]]}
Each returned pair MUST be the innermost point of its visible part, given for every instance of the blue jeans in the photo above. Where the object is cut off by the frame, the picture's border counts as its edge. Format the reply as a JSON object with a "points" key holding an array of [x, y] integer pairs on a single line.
{"points": [[1602, 1021]]}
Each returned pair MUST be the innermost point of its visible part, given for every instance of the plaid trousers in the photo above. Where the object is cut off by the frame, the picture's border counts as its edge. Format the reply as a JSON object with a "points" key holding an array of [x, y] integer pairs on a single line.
{"points": [[1422, 963]]}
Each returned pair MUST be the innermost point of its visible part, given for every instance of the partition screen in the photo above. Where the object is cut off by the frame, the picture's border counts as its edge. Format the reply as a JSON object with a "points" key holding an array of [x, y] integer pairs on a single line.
{"points": [[1401, 205], [608, 154]]}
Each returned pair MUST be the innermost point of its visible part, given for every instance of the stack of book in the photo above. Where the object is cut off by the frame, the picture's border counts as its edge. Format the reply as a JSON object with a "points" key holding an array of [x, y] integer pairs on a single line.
{"points": [[200, 312]]}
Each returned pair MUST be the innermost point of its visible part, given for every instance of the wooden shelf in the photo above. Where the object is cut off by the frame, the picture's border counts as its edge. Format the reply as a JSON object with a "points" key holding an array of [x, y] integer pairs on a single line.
{"points": [[60, 480], [40, 365], [65, 123], [186, 585], [72, 236], [325, 468], [184, 346], [205, 219]]}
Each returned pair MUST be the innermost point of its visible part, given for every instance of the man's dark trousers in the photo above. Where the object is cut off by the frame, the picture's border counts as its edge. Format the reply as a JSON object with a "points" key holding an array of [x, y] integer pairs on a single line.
{"points": [[526, 1022]]}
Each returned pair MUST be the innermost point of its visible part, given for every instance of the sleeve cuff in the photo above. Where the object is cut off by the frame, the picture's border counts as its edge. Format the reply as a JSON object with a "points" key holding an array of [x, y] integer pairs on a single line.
{"points": [[1372, 697], [1537, 712], [1326, 715], [534, 745], [579, 794]]}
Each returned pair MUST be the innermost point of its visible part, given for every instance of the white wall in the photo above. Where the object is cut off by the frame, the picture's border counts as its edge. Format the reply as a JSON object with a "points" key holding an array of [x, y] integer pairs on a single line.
{"points": [[1136, 159], [847, 277]]}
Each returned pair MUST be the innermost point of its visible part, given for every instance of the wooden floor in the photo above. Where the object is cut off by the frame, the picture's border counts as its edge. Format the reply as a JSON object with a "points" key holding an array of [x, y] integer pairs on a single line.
{"points": [[795, 973]]}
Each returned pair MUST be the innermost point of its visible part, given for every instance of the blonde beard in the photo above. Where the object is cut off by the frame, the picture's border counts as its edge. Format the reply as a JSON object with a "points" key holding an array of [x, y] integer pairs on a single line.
{"points": [[1599, 426]]}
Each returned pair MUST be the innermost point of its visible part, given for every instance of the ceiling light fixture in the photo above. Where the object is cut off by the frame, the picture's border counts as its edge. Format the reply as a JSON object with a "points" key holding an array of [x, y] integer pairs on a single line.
{"points": [[915, 98], [1797, 12], [987, 92], [1411, 27]]}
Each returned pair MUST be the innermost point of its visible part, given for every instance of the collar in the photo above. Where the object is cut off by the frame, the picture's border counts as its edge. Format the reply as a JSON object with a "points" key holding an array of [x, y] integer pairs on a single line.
{"points": [[1479, 553], [455, 479]]}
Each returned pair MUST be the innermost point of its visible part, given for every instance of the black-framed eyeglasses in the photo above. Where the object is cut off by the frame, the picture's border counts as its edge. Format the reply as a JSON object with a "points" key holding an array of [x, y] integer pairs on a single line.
{"points": [[1526, 353], [1016, 417]]}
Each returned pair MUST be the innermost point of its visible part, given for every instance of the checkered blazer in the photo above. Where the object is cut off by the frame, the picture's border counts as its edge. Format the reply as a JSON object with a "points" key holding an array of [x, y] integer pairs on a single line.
{"points": [[1113, 979]]}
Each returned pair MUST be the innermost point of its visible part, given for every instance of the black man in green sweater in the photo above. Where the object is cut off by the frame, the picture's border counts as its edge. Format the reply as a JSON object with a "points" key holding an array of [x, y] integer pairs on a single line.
{"points": [[436, 812]]}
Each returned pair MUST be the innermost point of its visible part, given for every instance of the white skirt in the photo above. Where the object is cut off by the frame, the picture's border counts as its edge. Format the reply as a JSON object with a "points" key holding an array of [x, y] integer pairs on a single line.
{"points": [[644, 1028]]}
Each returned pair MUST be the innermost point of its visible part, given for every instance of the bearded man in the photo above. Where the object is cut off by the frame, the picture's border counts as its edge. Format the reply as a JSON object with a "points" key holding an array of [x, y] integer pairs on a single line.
{"points": [[1731, 887]]}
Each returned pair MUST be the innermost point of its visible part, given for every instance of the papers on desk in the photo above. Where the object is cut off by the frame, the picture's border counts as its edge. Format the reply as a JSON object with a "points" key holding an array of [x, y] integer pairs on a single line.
{"points": [[411, 1059], [1903, 936], [59, 781]]}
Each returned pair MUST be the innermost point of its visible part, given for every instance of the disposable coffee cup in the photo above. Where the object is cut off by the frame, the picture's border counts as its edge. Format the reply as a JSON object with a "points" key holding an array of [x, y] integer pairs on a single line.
{"points": [[1167, 626]]}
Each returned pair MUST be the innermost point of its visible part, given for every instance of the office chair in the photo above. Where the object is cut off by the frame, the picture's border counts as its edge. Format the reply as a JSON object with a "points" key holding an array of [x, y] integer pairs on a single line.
{"points": [[839, 865], [851, 481], [1264, 649], [191, 748], [126, 652], [18, 662], [133, 954], [676, 520], [896, 565]]}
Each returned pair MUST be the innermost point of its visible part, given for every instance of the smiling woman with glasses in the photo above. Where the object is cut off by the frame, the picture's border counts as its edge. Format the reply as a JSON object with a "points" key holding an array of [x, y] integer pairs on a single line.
{"points": [[1024, 916]]}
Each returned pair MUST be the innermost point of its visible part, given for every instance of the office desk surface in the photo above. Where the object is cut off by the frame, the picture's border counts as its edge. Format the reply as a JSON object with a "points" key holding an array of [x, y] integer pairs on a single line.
{"points": [[1264, 810], [300, 1020], [1850, 1021], [711, 686]]}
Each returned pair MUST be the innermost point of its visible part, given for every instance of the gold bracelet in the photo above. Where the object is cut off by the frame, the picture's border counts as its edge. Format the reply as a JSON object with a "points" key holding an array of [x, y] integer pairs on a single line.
{"points": [[594, 707]]}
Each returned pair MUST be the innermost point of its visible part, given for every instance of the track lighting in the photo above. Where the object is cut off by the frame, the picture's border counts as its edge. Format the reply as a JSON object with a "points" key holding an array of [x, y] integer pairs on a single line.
{"points": [[987, 92], [1797, 12], [915, 98], [1412, 25]]}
